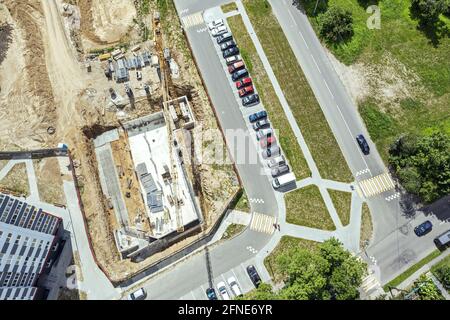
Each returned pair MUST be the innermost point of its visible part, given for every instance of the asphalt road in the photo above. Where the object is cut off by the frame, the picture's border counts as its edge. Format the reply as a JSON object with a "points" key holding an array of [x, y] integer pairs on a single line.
{"points": [[203, 268], [394, 246]]}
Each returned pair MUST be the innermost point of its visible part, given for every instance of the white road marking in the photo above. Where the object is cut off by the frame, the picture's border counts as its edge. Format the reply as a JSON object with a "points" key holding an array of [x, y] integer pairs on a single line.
{"points": [[304, 41], [317, 66], [361, 172], [353, 139], [292, 17], [192, 20], [326, 84], [262, 223], [376, 185]]}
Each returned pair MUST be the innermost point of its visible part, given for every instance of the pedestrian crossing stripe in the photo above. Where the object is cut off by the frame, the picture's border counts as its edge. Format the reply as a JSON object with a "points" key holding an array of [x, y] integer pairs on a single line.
{"points": [[369, 283], [376, 185], [192, 20], [262, 223]]}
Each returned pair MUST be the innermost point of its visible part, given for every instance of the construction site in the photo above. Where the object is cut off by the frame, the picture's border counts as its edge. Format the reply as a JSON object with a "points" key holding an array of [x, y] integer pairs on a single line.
{"points": [[120, 89]]}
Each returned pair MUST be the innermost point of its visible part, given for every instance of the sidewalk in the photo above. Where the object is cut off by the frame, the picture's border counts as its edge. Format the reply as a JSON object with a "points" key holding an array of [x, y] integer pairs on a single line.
{"points": [[427, 267]]}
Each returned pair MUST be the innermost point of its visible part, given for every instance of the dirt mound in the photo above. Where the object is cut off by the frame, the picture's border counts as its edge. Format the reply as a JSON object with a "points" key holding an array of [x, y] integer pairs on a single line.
{"points": [[106, 22], [26, 100]]}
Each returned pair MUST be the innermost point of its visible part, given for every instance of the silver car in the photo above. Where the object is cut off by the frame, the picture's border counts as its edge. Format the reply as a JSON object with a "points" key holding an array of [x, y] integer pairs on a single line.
{"points": [[260, 124], [273, 151], [278, 171], [277, 161]]}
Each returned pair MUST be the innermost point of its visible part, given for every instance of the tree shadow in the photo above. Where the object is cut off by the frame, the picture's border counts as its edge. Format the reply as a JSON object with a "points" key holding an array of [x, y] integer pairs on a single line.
{"points": [[440, 209], [433, 29], [311, 8], [409, 204], [366, 3], [5, 39]]}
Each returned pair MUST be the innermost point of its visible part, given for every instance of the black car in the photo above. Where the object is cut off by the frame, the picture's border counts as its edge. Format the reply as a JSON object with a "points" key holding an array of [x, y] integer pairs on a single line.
{"points": [[423, 228], [363, 144], [254, 276], [211, 294], [239, 74], [257, 116], [230, 52], [250, 100], [227, 45]]}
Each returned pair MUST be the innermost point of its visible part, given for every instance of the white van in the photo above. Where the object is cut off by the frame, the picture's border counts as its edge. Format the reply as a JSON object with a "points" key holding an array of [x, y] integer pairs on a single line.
{"points": [[283, 180]]}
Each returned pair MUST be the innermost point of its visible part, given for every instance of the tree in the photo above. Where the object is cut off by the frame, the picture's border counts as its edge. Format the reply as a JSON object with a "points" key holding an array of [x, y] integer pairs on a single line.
{"points": [[331, 272], [443, 274], [428, 11], [336, 24], [306, 273], [263, 292], [328, 273], [426, 289], [422, 164]]}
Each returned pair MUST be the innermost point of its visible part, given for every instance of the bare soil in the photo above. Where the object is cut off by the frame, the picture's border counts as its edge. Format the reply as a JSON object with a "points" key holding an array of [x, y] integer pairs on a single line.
{"points": [[125, 169], [43, 83], [16, 180], [49, 181]]}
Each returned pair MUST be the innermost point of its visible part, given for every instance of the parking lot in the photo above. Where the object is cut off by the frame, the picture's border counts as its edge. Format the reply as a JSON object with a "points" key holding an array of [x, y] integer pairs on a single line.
{"points": [[239, 273], [246, 111]]}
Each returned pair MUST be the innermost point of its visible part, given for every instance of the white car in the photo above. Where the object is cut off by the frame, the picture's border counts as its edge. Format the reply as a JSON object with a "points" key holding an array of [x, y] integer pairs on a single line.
{"points": [[234, 286], [137, 295], [223, 291], [215, 24], [232, 59], [219, 31]]}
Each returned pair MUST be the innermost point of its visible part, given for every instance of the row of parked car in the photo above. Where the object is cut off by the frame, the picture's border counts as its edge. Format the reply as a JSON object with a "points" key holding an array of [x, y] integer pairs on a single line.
{"points": [[260, 123], [236, 66], [234, 286]]}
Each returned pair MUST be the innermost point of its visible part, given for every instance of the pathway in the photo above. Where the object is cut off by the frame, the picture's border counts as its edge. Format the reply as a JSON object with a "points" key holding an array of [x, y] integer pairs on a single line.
{"points": [[410, 280]]}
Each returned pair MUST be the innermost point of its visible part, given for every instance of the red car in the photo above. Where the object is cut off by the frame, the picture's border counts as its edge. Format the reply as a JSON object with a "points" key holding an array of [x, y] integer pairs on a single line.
{"points": [[236, 66], [245, 91], [243, 82], [267, 141]]}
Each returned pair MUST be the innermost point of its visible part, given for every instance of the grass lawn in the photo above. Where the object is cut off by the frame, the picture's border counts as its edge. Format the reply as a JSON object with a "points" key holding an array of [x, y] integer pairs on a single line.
{"points": [[305, 207], [422, 111], [434, 269], [402, 277], [286, 136], [366, 225], [16, 180], [229, 7], [242, 203], [286, 243], [342, 202], [233, 229], [299, 95]]}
